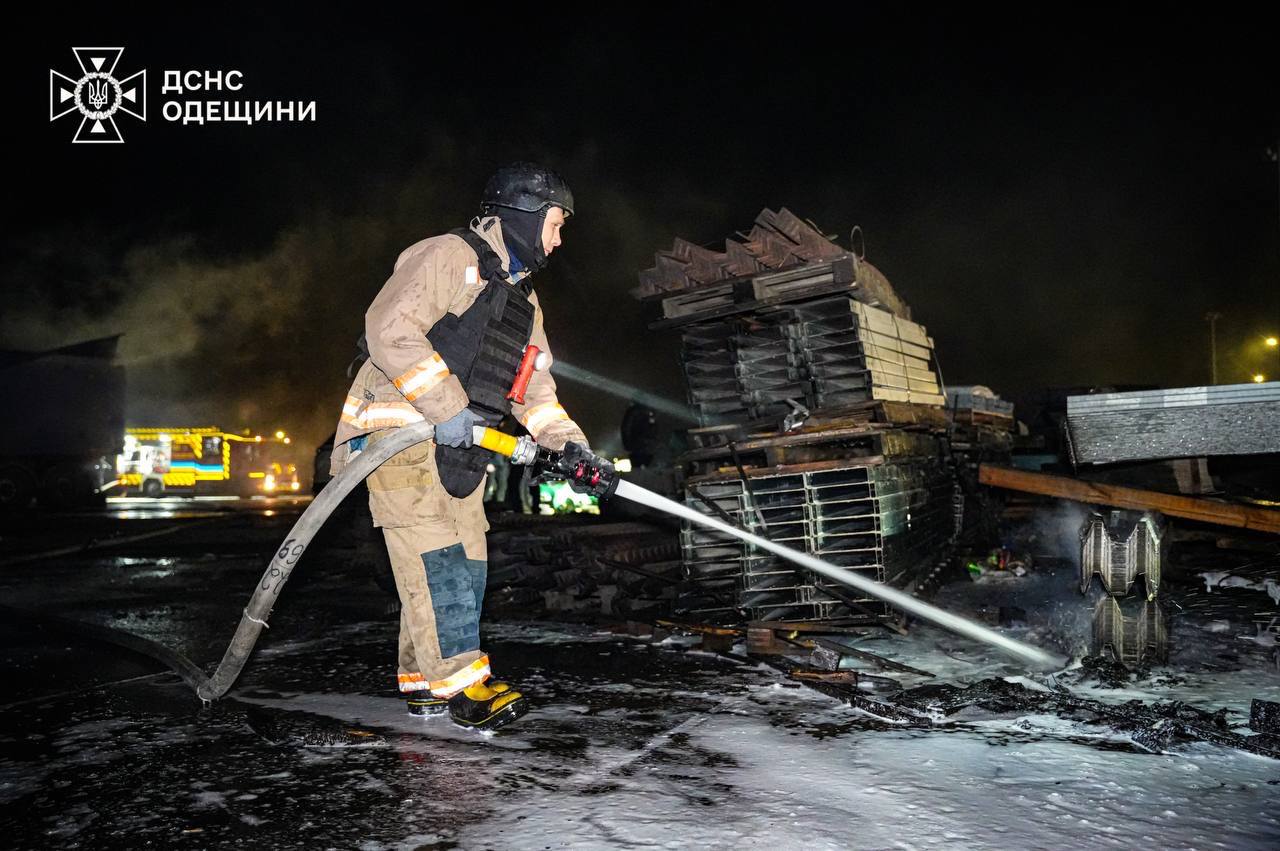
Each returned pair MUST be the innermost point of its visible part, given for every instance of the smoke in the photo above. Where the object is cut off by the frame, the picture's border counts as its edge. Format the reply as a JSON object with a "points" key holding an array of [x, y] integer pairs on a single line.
{"points": [[630, 393], [1052, 536], [168, 302], [1054, 530], [256, 338], [206, 342], [260, 336]]}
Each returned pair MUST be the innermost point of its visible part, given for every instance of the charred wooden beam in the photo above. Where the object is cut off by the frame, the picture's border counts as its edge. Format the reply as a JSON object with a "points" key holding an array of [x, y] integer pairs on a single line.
{"points": [[1095, 493]]}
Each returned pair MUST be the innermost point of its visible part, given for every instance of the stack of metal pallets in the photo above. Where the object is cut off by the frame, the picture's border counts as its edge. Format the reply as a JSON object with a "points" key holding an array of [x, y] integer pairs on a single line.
{"points": [[825, 353], [980, 426], [886, 521], [976, 399], [856, 348], [785, 320], [768, 370]]}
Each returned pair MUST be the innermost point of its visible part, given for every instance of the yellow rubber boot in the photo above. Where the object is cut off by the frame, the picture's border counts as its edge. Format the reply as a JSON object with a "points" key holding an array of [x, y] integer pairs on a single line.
{"points": [[487, 706]]}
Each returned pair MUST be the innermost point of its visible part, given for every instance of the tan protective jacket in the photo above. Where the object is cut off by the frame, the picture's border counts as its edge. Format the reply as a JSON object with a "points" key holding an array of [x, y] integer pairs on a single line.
{"points": [[404, 380]]}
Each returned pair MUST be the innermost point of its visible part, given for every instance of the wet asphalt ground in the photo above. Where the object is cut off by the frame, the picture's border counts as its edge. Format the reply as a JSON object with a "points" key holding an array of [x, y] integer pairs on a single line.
{"points": [[103, 746], [630, 743]]}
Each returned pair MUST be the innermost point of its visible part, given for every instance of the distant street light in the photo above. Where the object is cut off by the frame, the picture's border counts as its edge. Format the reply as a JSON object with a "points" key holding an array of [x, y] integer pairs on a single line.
{"points": [[1273, 154], [1259, 378]]}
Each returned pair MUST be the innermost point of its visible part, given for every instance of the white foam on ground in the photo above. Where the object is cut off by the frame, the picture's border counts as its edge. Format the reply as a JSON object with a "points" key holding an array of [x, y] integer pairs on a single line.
{"points": [[773, 788]]}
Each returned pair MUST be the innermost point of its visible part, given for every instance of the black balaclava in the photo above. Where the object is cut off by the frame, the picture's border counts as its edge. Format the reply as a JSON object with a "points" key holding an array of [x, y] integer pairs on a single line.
{"points": [[522, 233]]}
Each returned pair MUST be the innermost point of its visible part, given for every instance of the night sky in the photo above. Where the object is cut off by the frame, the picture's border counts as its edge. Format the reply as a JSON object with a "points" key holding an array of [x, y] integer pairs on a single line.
{"points": [[1060, 201]]}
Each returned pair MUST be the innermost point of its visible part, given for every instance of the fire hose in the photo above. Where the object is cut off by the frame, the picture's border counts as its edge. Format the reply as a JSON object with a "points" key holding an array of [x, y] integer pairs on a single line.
{"points": [[254, 618], [576, 465]]}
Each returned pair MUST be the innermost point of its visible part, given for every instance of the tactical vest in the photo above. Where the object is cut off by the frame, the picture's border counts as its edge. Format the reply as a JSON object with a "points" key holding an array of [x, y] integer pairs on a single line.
{"points": [[483, 347]]}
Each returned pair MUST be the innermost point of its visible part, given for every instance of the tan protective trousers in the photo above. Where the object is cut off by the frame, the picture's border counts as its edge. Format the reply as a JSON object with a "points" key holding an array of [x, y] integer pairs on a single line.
{"points": [[438, 555]]}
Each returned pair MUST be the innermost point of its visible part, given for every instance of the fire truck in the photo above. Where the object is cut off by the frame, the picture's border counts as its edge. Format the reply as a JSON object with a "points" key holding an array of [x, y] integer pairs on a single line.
{"points": [[205, 461]]}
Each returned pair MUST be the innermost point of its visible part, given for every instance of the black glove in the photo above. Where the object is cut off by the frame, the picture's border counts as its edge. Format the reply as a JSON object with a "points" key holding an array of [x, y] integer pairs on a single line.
{"points": [[456, 431], [587, 472]]}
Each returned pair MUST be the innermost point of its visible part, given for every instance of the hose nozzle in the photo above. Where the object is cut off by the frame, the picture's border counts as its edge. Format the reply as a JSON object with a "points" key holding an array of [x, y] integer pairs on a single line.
{"points": [[585, 471], [521, 450]]}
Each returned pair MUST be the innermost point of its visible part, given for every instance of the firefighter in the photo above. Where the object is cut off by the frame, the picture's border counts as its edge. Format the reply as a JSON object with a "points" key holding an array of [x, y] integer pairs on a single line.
{"points": [[444, 338]]}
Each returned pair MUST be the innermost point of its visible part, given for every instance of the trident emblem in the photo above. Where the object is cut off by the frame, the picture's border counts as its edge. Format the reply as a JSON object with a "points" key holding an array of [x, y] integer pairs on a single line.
{"points": [[97, 93]]}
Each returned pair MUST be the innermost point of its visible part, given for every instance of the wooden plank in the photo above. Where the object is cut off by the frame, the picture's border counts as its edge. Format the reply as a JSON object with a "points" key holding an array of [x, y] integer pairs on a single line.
{"points": [[883, 354], [914, 351], [842, 677], [889, 394], [913, 333], [880, 412], [730, 473], [807, 626], [876, 319], [1189, 508], [867, 656], [918, 398], [700, 628], [800, 438], [901, 413], [762, 641]]}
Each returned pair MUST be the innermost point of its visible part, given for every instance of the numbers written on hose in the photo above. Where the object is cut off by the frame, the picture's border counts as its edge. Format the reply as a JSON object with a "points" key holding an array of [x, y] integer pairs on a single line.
{"points": [[287, 556], [290, 552]]}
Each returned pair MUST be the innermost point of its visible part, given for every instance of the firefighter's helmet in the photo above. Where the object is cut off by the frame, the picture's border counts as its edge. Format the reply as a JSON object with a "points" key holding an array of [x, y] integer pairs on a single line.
{"points": [[527, 187]]}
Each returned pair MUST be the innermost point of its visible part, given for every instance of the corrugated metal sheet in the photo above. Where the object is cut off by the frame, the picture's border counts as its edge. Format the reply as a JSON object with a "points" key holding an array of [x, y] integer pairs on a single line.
{"points": [[1186, 422]]}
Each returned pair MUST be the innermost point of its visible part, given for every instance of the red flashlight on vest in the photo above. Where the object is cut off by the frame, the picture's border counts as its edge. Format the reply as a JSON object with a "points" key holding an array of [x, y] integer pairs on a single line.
{"points": [[534, 358]]}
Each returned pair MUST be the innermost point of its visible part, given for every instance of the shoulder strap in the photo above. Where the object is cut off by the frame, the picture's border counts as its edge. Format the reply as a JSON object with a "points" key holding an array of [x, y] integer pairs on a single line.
{"points": [[362, 355], [490, 262]]}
